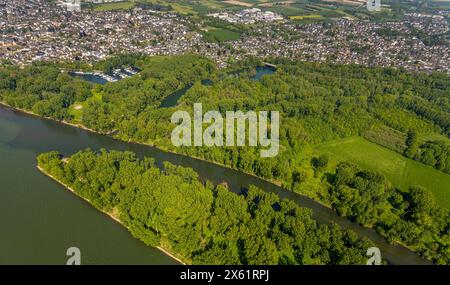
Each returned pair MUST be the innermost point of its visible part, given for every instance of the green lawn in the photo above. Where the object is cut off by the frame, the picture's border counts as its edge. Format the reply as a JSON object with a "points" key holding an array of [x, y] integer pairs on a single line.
{"points": [[114, 6], [76, 109], [221, 34], [401, 171]]}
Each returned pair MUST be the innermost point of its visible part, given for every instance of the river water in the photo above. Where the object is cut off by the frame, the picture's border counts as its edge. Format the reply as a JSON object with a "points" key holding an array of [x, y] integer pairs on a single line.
{"points": [[40, 219]]}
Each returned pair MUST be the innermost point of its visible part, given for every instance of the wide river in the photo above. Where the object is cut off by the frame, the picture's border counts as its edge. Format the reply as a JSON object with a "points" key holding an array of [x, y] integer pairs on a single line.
{"points": [[39, 219]]}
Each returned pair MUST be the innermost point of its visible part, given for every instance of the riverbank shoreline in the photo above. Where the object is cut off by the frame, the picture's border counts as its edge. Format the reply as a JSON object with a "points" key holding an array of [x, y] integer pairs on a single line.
{"points": [[382, 240], [164, 250], [80, 126], [49, 118]]}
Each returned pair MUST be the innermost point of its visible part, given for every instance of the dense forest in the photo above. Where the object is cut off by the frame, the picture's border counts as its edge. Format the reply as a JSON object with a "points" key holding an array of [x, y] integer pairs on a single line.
{"points": [[199, 222], [317, 102]]}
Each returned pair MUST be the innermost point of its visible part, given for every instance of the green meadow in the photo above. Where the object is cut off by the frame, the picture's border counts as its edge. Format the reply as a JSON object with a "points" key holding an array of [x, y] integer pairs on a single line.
{"points": [[76, 109], [434, 137], [401, 171], [114, 6], [221, 34]]}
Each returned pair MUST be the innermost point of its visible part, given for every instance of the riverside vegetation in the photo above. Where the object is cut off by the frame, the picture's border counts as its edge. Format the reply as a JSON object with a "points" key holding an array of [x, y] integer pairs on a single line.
{"points": [[405, 112], [201, 223]]}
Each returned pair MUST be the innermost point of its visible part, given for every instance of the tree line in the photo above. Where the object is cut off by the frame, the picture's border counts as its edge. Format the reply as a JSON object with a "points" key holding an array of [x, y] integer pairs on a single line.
{"points": [[412, 218], [200, 222]]}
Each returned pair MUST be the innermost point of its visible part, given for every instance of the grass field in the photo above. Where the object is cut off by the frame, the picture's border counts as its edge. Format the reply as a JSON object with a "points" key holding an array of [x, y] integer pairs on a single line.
{"points": [[401, 171], [221, 34], [434, 137], [76, 109], [239, 3], [114, 6], [302, 17]]}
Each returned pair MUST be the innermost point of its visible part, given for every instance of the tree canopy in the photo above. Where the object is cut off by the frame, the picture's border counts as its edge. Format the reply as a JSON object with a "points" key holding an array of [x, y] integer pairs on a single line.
{"points": [[199, 222]]}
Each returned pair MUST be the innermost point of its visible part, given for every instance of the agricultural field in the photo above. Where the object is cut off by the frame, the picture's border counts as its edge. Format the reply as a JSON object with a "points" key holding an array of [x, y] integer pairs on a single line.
{"points": [[305, 17], [114, 6], [239, 3], [303, 11], [299, 10], [401, 171], [217, 34], [307, 11], [182, 7]]}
